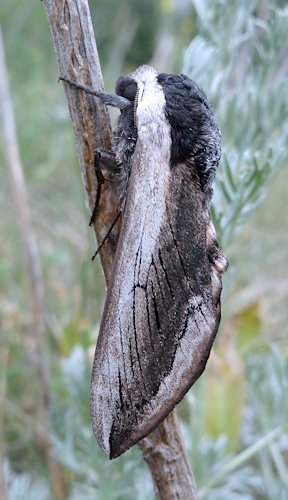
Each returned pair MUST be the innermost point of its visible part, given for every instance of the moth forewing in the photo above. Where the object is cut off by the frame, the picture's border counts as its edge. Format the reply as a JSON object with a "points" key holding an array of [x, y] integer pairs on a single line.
{"points": [[163, 303], [151, 348], [118, 380]]}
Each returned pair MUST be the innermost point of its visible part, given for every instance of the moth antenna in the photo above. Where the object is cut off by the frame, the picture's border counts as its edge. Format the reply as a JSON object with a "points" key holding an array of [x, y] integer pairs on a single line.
{"points": [[135, 106], [107, 235], [109, 99], [100, 180], [96, 205]]}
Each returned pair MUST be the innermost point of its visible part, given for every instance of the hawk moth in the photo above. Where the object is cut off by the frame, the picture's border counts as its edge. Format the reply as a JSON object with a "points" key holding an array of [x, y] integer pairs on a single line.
{"points": [[162, 308]]}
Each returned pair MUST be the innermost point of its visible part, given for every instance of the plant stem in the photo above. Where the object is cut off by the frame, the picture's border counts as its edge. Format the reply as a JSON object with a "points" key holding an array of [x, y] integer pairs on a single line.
{"points": [[242, 458], [77, 57], [34, 272]]}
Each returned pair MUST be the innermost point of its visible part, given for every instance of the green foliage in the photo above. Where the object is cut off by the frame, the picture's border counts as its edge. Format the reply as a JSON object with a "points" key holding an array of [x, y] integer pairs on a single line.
{"points": [[76, 448], [241, 187], [263, 437], [24, 486], [248, 89], [235, 418], [126, 33]]}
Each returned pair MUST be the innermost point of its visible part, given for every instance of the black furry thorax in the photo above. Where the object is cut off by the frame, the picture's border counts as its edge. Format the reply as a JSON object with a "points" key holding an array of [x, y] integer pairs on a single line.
{"points": [[195, 136]]}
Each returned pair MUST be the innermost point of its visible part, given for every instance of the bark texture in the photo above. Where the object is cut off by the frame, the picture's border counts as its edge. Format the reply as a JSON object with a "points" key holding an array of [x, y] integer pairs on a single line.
{"points": [[77, 58], [163, 450]]}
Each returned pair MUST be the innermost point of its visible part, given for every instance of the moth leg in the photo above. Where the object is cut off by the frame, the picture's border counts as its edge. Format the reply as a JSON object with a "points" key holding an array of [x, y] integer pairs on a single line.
{"points": [[107, 234], [105, 158]]}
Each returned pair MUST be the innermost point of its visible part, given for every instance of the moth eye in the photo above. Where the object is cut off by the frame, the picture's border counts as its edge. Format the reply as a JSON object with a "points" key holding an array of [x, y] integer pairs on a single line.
{"points": [[126, 88], [130, 91]]}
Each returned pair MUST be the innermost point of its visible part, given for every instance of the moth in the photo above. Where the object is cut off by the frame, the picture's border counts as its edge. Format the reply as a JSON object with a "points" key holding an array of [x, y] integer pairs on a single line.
{"points": [[162, 308]]}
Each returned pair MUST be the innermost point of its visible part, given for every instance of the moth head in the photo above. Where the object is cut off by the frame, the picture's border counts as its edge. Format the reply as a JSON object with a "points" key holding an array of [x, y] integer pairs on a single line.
{"points": [[138, 89], [149, 101], [138, 92], [142, 89], [126, 87]]}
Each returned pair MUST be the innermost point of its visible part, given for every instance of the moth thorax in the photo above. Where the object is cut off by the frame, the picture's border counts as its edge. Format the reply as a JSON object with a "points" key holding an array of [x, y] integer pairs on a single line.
{"points": [[151, 104]]}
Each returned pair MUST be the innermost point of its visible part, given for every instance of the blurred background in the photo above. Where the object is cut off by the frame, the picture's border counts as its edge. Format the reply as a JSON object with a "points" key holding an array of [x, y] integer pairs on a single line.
{"points": [[234, 420]]}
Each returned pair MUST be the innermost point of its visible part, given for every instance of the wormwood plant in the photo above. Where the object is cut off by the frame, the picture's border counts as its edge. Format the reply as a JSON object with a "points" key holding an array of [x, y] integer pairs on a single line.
{"points": [[239, 56], [246, 83], [242, 60]]}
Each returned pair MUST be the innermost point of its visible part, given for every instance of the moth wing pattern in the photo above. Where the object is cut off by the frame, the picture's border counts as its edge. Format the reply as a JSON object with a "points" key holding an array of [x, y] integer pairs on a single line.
{"points": [[163, 305]]}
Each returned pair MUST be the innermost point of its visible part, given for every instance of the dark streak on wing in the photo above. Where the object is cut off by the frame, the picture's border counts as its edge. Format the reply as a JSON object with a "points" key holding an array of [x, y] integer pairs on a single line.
{"points": [[165, 272], [124, 363], [148, 319], [120, 389], [131, 354], [134, 327], [184, 328]]}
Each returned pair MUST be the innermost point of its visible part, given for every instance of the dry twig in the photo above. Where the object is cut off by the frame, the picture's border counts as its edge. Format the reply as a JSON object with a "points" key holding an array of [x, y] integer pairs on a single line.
{"points": [[34, 272], [77, 58]]}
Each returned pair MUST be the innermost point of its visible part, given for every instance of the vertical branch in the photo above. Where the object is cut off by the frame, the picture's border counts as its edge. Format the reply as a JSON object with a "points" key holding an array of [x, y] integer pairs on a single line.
{"points": [[31, 249], [78, 60], [3, 494], [22, 207], [3, 378], [23, 213], [164, 453]]}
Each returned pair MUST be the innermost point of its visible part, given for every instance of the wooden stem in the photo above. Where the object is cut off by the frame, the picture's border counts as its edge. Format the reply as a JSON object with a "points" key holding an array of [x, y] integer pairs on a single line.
{"points": [[77, 58], [34, 272], [164, 453], [30, 244]]}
